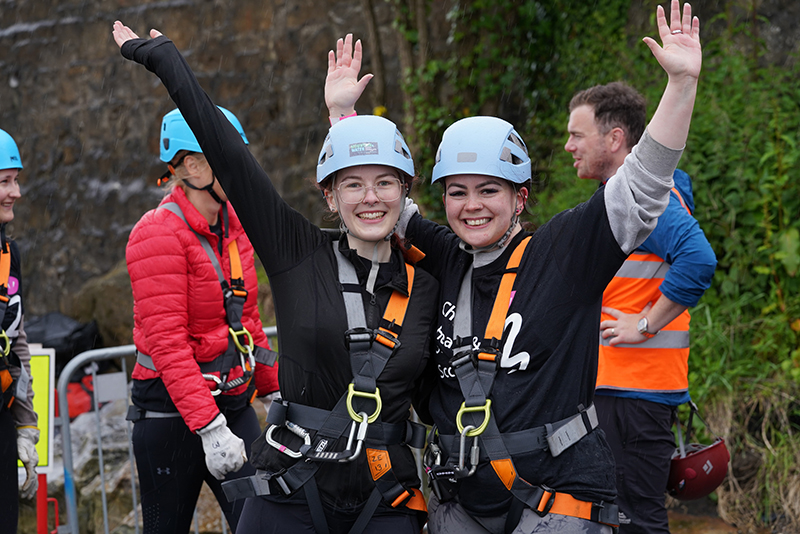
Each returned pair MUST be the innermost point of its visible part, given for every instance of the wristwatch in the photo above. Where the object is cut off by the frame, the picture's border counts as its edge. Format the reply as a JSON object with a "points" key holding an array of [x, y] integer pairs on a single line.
{"points": [[641, 326]]}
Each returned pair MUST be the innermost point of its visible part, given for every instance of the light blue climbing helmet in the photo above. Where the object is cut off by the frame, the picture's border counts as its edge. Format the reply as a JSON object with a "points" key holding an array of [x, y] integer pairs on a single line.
{"points": [[176, 134], [9, 152], [364, 140], [483, 145]]}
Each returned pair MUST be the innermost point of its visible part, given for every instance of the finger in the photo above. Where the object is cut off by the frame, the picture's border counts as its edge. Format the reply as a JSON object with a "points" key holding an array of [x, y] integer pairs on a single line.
{"points": [[647, 308], [362, 83], [331, 61], [675, 15], [654, 47], [686, 23], [339, 51], [661, 23], [347, 53], [696, 28], [607, 324], [357, 54], [616, 314], [155, 33]]}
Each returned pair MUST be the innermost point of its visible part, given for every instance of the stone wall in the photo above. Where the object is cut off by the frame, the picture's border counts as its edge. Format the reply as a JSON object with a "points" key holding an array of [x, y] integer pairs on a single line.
{"points": [[87, 121]]}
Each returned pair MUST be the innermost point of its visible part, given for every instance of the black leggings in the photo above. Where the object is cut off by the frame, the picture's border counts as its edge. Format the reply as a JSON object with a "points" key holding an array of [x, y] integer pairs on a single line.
{"points": [[279, 516], [9, 487], [172, 467]]}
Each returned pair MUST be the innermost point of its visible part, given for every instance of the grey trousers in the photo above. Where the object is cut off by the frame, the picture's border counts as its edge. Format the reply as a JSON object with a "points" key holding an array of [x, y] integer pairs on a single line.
{"points": [[451, 518]]}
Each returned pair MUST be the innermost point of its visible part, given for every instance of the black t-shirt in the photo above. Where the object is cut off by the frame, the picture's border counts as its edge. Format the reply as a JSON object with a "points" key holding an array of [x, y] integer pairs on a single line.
{"points": [[549, 346]]}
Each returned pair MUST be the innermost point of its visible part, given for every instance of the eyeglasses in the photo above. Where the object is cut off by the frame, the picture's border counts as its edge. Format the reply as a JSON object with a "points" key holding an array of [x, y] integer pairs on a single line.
{"points": [[354, 192]]}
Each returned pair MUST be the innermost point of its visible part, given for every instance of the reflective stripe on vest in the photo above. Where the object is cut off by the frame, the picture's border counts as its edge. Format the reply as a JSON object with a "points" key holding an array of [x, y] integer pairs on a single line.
{"points": [[661, 362]]}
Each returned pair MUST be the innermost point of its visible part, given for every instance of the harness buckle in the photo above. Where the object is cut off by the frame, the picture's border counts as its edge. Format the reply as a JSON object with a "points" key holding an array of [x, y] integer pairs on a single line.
{"points": [[347, 455], [297, 430], [248, 348], [474, 456], [353, 392], [387, 339], [486, 414], [6, 342], [549, 496]]}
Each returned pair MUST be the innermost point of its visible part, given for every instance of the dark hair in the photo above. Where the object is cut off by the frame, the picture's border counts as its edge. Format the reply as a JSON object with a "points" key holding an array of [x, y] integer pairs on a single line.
{"points": [[615, 105]]}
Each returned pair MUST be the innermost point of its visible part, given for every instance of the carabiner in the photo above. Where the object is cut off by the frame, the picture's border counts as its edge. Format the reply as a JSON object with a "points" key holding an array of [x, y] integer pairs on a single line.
{"points": [[474, 456], [362, 433], [486, 414], [242, 332], [218, 383], [352, 392], [296, 430], [6, 342]]}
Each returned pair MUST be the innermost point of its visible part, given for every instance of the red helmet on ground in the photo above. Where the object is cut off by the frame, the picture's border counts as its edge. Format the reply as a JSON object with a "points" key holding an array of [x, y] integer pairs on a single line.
{"points": [[698, 470]]}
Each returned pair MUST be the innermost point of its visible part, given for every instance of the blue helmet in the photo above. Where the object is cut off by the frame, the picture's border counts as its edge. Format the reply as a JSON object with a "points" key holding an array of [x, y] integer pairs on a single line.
{"points": [[176, 134], [483, 145], [9, 153], [364, 140]]}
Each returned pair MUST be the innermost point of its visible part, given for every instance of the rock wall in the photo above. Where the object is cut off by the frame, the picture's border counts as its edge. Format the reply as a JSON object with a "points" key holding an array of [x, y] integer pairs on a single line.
{"points": [[87, 121]]}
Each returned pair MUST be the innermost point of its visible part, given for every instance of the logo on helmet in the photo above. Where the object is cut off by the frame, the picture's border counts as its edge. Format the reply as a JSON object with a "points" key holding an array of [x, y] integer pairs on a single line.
{"points": [[369, 148]]}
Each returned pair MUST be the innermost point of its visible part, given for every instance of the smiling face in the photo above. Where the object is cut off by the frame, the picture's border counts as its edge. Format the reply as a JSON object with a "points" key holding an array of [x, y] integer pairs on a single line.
{"points": [[480, 208], [369, 199], [591, 150], [9, 193]]}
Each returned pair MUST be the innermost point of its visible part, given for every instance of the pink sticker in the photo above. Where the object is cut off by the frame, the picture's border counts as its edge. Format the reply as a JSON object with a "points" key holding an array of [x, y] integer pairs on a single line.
{"points": [[13, 285]]}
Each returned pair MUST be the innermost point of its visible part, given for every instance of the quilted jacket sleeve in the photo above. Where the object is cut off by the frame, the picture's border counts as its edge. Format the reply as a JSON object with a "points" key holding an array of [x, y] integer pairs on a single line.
{"points": [[157, 264]]}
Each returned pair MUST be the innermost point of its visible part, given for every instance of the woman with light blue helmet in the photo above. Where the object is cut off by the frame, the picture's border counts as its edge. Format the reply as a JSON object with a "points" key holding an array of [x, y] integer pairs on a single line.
{"points": [[18, 431], [202, 355], [517, 448], [354, 322]]}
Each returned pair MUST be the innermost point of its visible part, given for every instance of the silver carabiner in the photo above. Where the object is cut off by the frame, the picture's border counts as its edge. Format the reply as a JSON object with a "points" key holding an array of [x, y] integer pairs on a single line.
{"points": [[474, 456], [217, 380], [362, 433], [297, 431]]}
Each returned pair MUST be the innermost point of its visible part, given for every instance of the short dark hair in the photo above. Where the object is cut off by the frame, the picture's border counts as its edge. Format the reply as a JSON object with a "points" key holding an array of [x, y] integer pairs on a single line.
{"points": [[615, 105]]}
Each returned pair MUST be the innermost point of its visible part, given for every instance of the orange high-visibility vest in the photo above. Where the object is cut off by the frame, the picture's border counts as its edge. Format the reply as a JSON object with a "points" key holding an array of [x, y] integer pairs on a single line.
{"points": [[659, 364]]}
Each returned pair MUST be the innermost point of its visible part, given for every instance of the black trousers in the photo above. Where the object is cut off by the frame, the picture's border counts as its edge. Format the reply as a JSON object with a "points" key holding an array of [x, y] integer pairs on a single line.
{"points": [[172, 468], [9, 487], [640, 435]]}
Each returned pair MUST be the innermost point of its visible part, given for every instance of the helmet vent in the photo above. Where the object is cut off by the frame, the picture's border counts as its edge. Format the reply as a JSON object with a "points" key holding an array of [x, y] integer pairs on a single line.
{"points": [[517, 141], [398, 147], [509, 157], [467, 157]]}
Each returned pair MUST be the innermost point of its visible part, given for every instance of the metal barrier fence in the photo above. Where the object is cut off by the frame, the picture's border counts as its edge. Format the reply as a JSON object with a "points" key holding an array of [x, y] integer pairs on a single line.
{"points": [[108, 386]]}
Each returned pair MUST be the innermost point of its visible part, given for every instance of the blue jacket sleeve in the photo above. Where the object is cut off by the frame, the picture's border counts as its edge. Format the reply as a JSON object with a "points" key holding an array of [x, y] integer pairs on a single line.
{"points": [[680, 241]]}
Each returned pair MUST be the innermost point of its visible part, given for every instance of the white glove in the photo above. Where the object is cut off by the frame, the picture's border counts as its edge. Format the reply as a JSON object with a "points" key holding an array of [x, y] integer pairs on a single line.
{"points": [[224, 450], [267, 400], [27, 438]]}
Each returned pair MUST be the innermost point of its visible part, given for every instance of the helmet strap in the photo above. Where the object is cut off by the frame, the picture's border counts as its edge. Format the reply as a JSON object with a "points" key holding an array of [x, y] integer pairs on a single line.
{"points": [[207, 188]]}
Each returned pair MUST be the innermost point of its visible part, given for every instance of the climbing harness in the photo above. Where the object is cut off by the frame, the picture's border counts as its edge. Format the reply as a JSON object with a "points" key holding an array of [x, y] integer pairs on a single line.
{"points": [[475, 366], [242, 351], [357, 415], [7, 358]]}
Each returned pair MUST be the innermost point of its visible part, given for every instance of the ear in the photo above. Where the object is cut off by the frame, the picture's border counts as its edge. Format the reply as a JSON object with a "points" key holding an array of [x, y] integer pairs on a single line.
{"points": [[522, 199], [192, 164], [617, 140], [328, 194]]}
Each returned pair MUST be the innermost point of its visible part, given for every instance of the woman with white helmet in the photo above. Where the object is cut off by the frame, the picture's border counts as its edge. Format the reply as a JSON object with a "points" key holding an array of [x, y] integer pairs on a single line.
{"points": [[354, 322], [18, 431], [202, 355], [517, 448]]}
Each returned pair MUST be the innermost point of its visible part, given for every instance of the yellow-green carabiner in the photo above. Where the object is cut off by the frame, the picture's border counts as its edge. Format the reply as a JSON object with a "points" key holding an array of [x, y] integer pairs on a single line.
{"points": [[6, 342], [242, 332], [486, 414], [351, 392]]}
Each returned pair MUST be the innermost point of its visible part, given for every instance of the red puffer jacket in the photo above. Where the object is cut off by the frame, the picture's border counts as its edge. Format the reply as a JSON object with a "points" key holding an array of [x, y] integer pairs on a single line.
{"points": [[179, 318]]}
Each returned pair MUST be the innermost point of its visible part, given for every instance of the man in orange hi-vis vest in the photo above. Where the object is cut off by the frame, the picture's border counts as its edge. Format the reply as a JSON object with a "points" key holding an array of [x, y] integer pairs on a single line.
{"points": [[644, 342]]}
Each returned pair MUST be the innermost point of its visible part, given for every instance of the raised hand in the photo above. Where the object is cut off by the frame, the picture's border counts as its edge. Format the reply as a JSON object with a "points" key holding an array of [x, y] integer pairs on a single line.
{"points": [[342, 86], [681, 54], [122, 33]]}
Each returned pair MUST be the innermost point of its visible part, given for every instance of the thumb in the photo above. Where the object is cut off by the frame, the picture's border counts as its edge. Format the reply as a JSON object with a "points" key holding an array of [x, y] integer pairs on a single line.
{"points": [[363, 82], [647, 308], [155, 33]]}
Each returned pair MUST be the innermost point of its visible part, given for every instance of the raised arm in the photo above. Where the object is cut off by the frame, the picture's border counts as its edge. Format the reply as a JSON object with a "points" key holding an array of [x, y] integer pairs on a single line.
{"points": [[342, 86], [639, 192], [681, 58]]}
